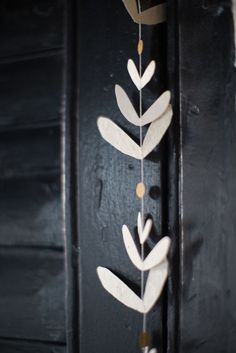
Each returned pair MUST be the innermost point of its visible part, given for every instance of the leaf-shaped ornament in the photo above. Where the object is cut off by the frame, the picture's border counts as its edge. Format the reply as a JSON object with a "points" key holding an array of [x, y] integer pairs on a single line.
{"points": [[154, 286], [153, 113], [156, 131], [119, 290], [141, 82], [155, 257], [153, 350], [113, 134], [143, 232], [151, 16], [131, 248]]}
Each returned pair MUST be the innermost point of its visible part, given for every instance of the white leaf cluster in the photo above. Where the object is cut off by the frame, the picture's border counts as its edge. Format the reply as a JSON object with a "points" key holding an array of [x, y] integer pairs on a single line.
{"points": [[159, 117]]}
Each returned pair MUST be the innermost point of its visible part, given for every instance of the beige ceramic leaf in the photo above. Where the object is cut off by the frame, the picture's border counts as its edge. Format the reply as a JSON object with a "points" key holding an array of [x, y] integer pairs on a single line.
{"points": [[154, 286], [152, 16], [134, 74], [139, 224], [113, 134], [145, 231], [153, 350], [157, 254], [156, 110], [126, 107], [156, 131], [119, 289], [131, 248]]}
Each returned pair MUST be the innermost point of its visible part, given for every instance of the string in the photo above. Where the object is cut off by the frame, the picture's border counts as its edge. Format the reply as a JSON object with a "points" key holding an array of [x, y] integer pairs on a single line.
{"points": [[141, 163]]}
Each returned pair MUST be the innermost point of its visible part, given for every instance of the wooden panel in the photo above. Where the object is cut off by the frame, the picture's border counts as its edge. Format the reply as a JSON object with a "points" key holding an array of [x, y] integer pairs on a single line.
{"points": [[208, 169], [30, 212], [32, 295], [29, 152], [30, 92], [28, 26], [29, 347], [107, 179]]}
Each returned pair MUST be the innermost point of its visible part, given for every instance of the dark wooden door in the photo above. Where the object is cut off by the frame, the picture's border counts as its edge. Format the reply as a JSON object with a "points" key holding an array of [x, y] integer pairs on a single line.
{"points": [[65, 193], [191, 178]]}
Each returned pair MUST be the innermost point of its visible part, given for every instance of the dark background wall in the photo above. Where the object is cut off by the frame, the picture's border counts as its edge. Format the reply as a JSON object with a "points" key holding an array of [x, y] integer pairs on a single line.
{"points": [[207, 170], [32, 290], [54, 164]]}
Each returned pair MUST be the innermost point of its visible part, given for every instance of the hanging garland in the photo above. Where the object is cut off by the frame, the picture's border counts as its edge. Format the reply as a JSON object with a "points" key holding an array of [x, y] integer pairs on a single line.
{"points": [[158, 116]]}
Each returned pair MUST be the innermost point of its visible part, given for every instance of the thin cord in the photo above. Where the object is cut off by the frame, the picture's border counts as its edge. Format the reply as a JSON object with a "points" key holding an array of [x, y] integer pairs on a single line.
{"points": [[141, 163]]}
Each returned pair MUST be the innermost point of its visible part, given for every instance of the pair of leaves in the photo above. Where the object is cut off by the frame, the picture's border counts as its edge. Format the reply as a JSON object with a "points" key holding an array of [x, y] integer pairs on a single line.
{"points": [[159, 115], [140, 82], [157, 109], [156, 256], [152, 16], [120, 291], [143, 231], [114, 135]]}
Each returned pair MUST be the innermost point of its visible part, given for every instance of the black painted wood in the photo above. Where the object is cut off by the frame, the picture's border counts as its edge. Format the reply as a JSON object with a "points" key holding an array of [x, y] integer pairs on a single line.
{"points": [[70, 176], [32, 152], [10, 346], [103, 38], [172, 181], [34, 205], [30, 26], [32, 275], [32, 294], [207, 168], [30, 92]]}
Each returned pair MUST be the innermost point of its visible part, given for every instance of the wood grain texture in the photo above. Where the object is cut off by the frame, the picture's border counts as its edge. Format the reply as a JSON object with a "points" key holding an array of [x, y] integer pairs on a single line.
{"points": [[25, 153], [11, 346], [30, 92], [107, 179], [30, 212], [31, 294], [32, 273], [30, 26], [207, 176]]}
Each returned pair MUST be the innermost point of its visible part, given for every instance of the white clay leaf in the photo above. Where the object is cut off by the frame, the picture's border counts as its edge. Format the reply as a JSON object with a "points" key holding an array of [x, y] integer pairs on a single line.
{"points": [[134, 74], [157, 109], [154, 286], [155, 257], [156, 131], [148, 73], [153, 350], [126, 107], [139, 224], [151, 16], [157, 254], [113, 134], [146, 231], [131, 248], [119, 290]]}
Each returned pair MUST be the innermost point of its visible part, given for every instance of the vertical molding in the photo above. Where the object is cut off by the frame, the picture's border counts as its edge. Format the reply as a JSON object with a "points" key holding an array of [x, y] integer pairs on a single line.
{"points": [[70, 175], [174, 179], [234, 20]]}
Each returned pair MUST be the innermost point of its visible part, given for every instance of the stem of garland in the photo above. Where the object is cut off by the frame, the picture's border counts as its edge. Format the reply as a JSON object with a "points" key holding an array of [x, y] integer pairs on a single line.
{"points": [[140, 50]]}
